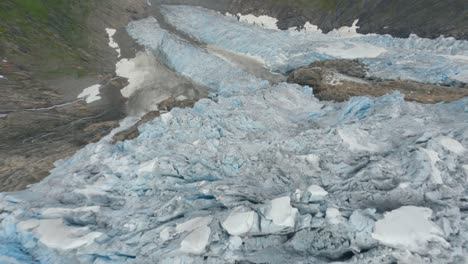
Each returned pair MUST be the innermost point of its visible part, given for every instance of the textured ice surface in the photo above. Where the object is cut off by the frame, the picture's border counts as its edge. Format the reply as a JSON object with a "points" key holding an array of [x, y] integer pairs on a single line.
{"points": [[258, 173], [200, 65], [409, 228], [443, 60]]}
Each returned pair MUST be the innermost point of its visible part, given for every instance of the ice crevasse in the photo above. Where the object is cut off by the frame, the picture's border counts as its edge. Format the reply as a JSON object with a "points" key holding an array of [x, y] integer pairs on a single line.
{"points": [[257, 173]]}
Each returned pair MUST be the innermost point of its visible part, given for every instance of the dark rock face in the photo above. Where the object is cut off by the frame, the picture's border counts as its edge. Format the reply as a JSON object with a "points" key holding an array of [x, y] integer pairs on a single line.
{"points": [[339, 80], [400, 18]]}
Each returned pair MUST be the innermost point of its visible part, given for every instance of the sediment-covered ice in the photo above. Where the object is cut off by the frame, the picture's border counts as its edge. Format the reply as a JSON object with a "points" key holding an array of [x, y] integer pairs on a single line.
{"points": [[257, 173]]}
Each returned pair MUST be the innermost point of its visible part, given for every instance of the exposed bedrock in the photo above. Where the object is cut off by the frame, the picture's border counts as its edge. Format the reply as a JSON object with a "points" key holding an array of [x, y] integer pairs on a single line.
{"points": [[339, 80], [400, 18]]}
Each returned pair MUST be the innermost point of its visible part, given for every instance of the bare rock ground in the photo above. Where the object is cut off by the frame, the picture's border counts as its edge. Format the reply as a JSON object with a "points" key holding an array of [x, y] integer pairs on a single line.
{"points": [[41, 119], [339, 80]]}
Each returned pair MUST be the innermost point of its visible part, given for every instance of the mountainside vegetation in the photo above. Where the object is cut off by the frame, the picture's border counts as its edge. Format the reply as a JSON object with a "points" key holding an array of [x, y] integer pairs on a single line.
{"points": [[46, 36]]}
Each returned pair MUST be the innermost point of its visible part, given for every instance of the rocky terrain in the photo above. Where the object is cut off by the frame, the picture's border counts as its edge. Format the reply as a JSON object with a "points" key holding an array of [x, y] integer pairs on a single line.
{"points": [[50, 52], [339, 80], [426, 18]]}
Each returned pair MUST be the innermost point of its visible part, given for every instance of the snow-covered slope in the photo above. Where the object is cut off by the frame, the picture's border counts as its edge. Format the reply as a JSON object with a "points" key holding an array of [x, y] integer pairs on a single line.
{"points": [[258, 173]]}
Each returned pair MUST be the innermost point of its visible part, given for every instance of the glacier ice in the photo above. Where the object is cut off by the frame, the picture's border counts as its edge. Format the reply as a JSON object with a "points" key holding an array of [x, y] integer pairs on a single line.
{"points": [[409, 228], [443, 60], [259, 172], [239, 222]]}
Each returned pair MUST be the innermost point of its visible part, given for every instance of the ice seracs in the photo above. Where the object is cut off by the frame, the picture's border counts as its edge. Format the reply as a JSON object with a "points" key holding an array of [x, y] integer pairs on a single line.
{"points": [[452, 145], [281, 213], [196, 241], [413, 58], [317, 193], [333, 216], [433, 159], [358, 140], [193, 224], [55, 234], [239, 222], [199, 233], [410, 228]]}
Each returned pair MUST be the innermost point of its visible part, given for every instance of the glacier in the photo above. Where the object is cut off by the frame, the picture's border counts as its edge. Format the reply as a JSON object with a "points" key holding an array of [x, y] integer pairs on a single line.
{"points": [[261, 171], [441, 61]]}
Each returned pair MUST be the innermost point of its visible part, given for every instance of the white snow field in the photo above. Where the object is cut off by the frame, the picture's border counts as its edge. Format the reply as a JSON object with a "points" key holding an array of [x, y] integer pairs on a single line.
{"points": [[261, 172], [91, 94]]}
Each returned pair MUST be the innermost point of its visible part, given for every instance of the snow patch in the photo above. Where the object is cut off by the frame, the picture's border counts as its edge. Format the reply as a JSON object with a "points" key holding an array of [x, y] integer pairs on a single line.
{"points": [[310, 28], [138, 71], [408, 228], [338, 78], [347, 32], [91, 94], [110, 33], [262, 21]]}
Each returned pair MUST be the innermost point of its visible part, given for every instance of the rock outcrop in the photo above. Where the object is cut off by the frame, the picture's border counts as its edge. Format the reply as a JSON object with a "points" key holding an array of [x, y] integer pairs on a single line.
{"points": [[398, 18], [339, 80]]}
